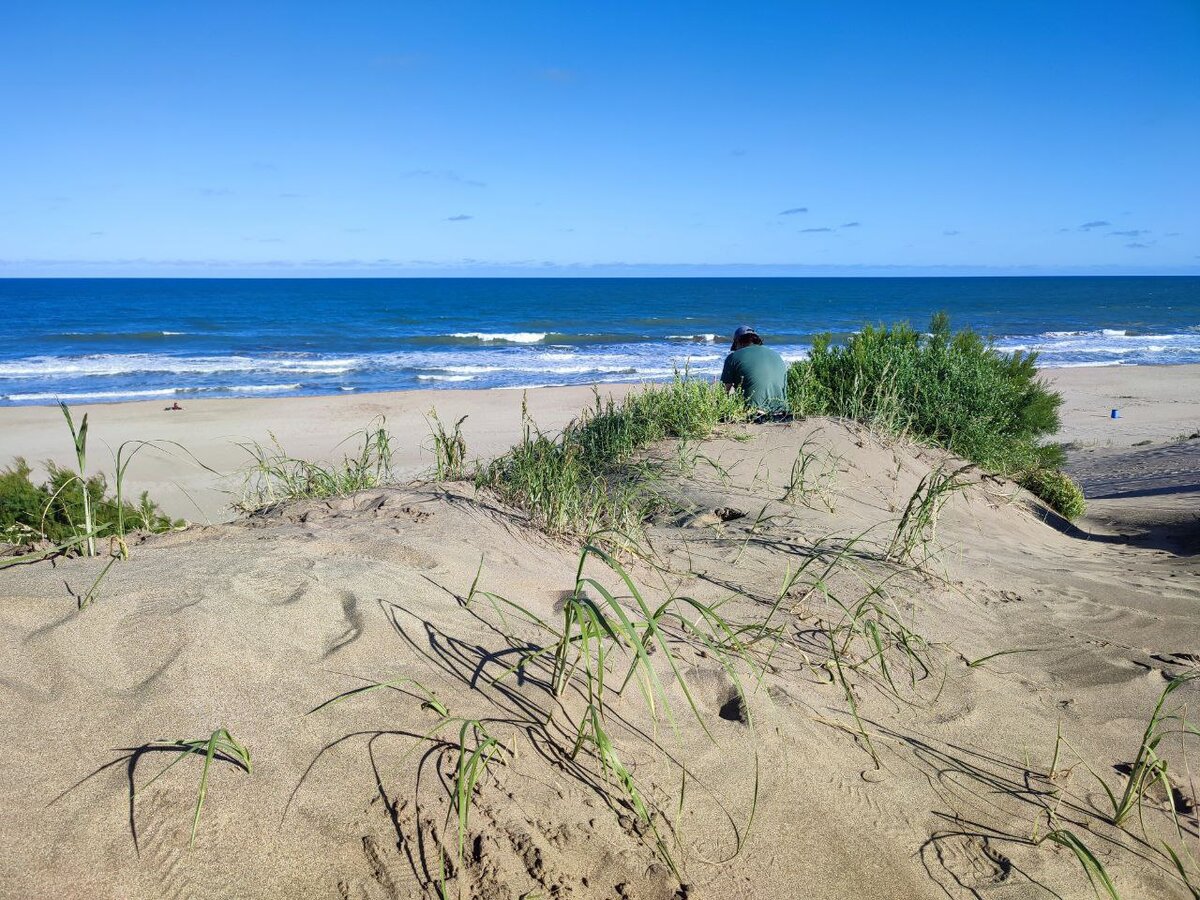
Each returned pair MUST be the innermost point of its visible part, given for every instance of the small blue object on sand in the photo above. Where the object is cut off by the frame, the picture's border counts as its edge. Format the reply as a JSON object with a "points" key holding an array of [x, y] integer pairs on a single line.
{"points": [[1115, 414]]}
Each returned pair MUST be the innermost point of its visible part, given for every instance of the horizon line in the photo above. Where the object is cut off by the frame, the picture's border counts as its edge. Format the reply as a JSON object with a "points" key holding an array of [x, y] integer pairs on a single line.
{"points": [[389, 270]]}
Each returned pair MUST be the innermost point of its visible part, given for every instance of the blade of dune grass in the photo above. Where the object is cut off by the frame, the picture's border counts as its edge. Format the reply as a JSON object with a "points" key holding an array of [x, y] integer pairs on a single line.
{"points": [[79, 439], [472, 764], [429, 699], [1149, 767], [219, 745], [125, 455], [1184, 875], [975, 663], [918, 523], [475, 750], [596, 628], [1097, 875], [1148, 770], [851, 700], [638, 642], [86, 600]]}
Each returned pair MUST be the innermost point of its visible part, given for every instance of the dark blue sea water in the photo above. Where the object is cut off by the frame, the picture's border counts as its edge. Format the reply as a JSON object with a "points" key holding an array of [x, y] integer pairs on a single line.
{"points": [[119, 339]]}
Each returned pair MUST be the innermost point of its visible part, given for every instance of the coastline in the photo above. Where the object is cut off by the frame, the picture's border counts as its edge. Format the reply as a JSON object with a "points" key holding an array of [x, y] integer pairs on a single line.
{"points": [[1157, 404]]}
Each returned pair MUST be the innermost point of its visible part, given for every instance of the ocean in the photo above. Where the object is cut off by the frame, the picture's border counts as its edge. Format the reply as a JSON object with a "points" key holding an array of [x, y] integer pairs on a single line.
{"points": [[98, 340]]}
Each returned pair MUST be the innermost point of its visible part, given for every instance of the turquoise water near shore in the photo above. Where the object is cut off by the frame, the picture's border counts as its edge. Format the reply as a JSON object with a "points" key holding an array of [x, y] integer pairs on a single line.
{"points": [[123, 339]]}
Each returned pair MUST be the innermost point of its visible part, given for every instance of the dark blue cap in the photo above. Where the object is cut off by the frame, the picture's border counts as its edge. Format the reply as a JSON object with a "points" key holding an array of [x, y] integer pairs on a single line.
{"points": [[745, 331]]}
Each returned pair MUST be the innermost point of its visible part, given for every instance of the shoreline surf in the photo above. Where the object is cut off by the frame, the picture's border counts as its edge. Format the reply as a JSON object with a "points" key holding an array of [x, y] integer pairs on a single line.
{"points": [[86, 340]]}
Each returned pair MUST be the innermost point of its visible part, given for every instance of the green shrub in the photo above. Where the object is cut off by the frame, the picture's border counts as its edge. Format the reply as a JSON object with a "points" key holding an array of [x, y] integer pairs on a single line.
{"points": [[54, 510], [1058, 489], [21, 502], [954, 389]]}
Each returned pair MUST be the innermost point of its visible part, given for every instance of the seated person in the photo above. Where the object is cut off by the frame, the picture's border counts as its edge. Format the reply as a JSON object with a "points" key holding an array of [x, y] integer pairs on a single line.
{"points": [[757, 371]]}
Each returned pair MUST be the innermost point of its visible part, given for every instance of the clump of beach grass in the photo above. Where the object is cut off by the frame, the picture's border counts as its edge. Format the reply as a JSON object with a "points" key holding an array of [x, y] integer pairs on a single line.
{"points": [[811, 477], [917, 528], [600, 636], [870, 642], [585, 479], [1148, 770], [449, 448], [951, 389], [1058, 489], [1150, 765], [474, 751], [79, 439], [273, 476]]}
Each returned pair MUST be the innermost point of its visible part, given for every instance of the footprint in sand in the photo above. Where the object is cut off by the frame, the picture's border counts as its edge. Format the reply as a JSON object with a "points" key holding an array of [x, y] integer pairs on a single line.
{"points": [[972, 861], [161, 845], [162, 828]]}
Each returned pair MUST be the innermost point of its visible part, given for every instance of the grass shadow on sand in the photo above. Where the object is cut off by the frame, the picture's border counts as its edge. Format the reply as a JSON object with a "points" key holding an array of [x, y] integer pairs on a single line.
{"points": [[994, 807]]}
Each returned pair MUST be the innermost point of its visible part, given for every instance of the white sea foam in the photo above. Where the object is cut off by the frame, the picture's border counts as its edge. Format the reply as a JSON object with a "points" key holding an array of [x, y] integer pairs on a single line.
{"points": [[1106, 346], [472, 370], [131, 363], [516, 337], [92, 395], [255, 388], [489, 363], [157, 392]]}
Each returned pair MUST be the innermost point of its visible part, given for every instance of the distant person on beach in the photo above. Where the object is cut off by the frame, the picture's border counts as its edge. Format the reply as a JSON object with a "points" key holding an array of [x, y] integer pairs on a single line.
{"points": [[174, 406], [757, 371]]}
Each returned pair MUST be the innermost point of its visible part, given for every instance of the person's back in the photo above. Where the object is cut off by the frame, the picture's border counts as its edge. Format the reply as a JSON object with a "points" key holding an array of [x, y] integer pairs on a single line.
{"points": [[757, 371]]}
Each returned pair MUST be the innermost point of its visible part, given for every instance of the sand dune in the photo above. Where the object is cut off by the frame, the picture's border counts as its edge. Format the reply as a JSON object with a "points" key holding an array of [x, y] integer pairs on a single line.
{"points": [[1157, 403], [945, 790]]}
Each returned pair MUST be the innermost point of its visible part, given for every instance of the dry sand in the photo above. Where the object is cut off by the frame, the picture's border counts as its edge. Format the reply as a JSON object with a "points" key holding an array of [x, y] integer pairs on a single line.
{"points": [[253, 624]]}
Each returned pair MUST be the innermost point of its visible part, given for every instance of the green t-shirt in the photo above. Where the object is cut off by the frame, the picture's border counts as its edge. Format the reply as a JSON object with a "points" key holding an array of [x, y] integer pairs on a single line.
{"points": [[761, 374]]}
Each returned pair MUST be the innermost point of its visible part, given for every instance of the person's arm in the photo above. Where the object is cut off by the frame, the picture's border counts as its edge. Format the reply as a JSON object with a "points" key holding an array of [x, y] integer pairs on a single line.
{"points": [[729, 375]]}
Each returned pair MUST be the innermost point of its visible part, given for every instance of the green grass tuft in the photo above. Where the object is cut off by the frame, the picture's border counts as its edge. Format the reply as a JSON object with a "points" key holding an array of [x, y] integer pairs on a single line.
{"points": [[585, 479], [1058, 489], [273, 476], [449, 448]]}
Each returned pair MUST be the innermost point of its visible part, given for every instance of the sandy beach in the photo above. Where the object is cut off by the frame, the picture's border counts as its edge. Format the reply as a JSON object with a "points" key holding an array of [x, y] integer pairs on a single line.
{"points": [[940, 779], [317, 428]]}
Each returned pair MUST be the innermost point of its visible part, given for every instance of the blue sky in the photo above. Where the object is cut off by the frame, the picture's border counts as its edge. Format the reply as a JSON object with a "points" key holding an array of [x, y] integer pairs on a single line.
{"points": [[484, 138]]}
